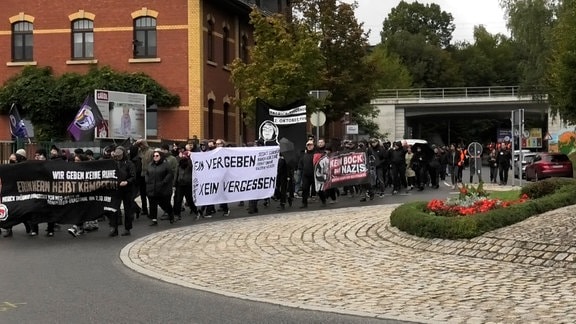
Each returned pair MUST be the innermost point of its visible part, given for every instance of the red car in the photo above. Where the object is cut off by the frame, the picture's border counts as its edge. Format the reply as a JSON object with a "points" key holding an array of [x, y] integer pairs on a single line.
{"points": [[546, 165]]}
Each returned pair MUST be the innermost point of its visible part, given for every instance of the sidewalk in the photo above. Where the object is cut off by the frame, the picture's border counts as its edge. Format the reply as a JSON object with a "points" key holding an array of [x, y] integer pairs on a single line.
{"points": [[352, 261]]}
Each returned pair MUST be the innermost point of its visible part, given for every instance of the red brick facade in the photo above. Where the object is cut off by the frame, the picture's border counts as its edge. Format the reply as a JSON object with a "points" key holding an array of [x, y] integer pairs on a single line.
{"points": [[181, 64]]}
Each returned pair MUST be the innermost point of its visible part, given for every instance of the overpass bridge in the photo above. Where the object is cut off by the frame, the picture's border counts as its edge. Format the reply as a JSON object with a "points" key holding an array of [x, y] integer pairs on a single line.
{"points": [[406, 113]]}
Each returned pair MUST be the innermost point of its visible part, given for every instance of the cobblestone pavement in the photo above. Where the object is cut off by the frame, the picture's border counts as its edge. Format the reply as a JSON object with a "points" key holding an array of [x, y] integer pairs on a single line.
{"points": [[352, 261]]}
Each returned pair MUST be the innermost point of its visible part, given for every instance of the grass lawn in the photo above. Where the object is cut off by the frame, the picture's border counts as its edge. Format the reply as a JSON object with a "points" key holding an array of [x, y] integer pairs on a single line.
{"points": [[505, 195]]}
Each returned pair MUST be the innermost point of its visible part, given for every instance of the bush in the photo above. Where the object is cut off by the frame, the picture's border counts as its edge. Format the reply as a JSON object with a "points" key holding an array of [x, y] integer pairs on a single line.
{"points": [[545, 187], [548, 194]]}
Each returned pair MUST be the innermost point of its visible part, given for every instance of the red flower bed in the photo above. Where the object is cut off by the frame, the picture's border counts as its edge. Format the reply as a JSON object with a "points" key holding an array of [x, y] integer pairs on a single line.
{"points": [[441, 208]]}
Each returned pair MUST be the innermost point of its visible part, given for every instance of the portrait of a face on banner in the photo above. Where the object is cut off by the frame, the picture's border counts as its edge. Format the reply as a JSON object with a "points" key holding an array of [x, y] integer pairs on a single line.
{"points": [[268, 133]]}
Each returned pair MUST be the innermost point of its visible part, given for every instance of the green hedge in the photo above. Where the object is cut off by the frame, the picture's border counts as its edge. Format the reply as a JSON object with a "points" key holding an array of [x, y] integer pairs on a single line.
{"points": [[544, 196]]}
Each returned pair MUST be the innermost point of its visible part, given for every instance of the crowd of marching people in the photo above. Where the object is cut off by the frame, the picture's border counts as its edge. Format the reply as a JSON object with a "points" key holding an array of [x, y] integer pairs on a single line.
{"points": [[162, 177]]}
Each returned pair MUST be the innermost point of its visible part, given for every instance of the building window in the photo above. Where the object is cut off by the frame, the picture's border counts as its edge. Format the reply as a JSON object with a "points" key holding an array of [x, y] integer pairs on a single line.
{"points": [[226, 46], [144, 37], [22, 41], [210, 118], [226, 124], [244, 49], [82, 39], [210, 41]]}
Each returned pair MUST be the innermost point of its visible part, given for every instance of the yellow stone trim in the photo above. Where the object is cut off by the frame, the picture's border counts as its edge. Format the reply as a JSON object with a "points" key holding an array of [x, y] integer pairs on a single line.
{"points": [[170, 27], [145, 60], [144, 12], [113, 29], [51, 31], [21, 17], [227, 100], [195, 69], [211, 96], [21, 63], [81, 14], [80, 62], [97, 29]]}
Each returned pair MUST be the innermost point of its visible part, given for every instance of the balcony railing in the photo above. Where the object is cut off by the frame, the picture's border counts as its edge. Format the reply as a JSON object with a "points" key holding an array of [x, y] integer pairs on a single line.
{"points": [[439, 93]]}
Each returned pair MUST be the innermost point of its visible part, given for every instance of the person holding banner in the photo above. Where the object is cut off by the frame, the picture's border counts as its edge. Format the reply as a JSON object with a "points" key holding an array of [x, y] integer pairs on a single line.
{"points": [[159, 181], [126, 178]]}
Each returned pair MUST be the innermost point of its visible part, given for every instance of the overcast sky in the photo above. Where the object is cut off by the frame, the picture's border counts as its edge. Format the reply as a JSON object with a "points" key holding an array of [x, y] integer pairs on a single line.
{"points": [[466, 13]]}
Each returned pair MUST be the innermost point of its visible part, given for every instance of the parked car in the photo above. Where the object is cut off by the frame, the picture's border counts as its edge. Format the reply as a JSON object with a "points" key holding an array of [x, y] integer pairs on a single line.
{"points": [[546, 165], [520, 166]]}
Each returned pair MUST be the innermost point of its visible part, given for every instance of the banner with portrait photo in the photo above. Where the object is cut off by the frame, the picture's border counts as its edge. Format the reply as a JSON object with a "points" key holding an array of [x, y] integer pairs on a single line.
{"points": [[124, 114], [231, 174], [282, 125], [57, 191], [340, 169]]}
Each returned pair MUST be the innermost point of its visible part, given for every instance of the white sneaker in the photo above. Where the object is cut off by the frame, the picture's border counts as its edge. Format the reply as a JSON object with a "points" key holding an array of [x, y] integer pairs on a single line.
{"points": [[73, 231]]}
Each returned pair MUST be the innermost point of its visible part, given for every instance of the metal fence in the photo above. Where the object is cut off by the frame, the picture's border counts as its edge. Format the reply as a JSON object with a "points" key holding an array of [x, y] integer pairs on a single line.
{"points": [[437, 93]]}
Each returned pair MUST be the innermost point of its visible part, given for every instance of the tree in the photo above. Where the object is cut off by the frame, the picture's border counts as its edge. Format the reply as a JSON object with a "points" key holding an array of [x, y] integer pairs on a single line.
{"points": [[350, 75], [51, 102], [531, 23], [492, 60], [285, 64], [415, 18], [561, 79], [420, 35], [392, 73]]}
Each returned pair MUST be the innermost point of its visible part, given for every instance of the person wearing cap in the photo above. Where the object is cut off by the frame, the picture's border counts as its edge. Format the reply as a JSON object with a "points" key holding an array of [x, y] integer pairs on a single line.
{"points": [[306, 167]]}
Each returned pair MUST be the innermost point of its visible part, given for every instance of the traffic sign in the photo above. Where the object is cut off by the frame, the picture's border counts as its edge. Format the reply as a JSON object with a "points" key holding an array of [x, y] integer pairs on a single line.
{"points": [[318, 119]]}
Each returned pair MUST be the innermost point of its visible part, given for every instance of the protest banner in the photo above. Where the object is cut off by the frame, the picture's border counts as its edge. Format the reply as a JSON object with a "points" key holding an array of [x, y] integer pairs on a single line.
{"points": [[57, 191], [234, 174], [340, 169]]}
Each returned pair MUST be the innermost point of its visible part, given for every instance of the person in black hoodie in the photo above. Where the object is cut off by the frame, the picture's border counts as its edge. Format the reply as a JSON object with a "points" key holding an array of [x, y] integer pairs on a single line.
{"points": [[306, 167], [398, 166], [126, 180], [137, 161], [183, 185]]}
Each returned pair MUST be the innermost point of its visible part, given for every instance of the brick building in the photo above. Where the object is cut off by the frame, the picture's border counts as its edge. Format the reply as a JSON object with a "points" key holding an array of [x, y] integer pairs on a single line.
{"points": [[185, 45]]}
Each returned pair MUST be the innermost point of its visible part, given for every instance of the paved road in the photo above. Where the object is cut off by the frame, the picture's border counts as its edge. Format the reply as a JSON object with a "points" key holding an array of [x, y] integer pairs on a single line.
{"points": [[61, 279], [67, 280]]}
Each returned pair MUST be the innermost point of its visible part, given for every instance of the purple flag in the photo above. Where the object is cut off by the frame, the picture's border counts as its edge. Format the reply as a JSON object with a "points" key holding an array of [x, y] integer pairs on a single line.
{"points": [[86, 120], [17, 127]]}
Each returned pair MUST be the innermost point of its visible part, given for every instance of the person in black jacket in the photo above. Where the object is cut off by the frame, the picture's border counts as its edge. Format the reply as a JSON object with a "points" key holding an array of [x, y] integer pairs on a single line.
{"points": [[159, 181], [183, 185], [126, 180], [306, 167], [398, 166], [504, 160]]}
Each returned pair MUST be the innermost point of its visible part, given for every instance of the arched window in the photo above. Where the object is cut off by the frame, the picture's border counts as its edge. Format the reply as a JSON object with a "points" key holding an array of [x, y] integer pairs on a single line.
{"points": [[22, 41], [226, 48], [82, 39], [144, 37], [210, 118], [226, 124], [244, 48], [210, 41]]}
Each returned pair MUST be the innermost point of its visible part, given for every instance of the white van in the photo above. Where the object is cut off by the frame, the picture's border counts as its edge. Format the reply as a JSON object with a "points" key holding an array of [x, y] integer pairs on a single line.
{"points": [[412, 141]]}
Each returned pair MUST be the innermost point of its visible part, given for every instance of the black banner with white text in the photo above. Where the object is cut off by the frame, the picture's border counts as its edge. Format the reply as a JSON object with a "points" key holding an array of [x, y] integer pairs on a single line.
{"points": [[57, 191]]}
